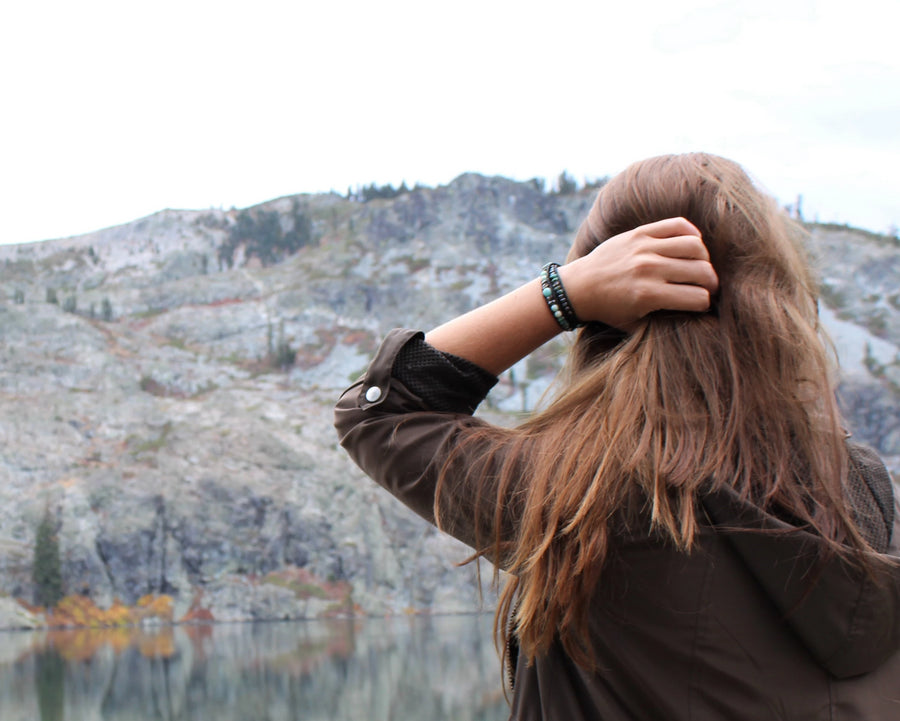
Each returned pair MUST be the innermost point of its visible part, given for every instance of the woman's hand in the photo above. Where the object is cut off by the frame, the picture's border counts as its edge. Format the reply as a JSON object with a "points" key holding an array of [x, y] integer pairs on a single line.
{"points": [[662, 265]]}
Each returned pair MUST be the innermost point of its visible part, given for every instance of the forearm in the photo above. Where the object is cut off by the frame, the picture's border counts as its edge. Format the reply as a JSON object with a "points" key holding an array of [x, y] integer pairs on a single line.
{"points": [[497, 335], [662, 265]]}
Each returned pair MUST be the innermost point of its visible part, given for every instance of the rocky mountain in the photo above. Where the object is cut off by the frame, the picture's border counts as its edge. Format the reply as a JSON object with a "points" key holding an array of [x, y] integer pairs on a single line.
{"points": [[166, 390]]}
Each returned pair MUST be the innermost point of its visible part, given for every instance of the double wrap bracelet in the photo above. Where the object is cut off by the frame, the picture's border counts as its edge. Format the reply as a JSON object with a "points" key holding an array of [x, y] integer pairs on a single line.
{"points": [[557, 300]]}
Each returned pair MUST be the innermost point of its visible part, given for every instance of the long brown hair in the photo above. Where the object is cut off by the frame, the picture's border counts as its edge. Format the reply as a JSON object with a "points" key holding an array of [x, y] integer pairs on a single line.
{"points": [[741, 396]]}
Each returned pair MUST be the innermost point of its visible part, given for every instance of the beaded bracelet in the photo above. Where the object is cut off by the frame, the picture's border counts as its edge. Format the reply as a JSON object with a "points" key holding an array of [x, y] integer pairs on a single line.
{"points": [[557, 300]]}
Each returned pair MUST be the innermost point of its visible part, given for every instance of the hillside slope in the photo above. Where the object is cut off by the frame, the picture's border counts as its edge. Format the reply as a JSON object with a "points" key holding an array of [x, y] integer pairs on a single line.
{"points": [[171, 409]]}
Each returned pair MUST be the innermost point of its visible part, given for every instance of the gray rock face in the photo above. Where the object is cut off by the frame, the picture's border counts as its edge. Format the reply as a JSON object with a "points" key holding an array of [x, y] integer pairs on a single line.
{"points": [[14, 615], [176, 420]]}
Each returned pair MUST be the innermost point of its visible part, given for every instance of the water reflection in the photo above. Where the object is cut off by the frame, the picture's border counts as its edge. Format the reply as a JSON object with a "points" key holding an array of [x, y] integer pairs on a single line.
{"points": [[393, 669]]}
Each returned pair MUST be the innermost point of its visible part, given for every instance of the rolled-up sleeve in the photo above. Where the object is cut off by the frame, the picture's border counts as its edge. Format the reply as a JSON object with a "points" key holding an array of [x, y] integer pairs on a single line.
{"points": [[402, 418]]}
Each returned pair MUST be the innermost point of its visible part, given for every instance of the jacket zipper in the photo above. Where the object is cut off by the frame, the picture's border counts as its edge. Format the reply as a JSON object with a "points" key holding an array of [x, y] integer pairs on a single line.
{"points": [[512, 650]]}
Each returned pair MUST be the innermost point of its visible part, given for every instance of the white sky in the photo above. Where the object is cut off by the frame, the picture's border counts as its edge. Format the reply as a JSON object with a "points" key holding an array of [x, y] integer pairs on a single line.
{"points": [[114, 110]]}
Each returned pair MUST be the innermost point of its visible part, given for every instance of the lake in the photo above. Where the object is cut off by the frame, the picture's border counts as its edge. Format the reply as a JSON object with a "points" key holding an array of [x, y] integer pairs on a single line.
{"points": [[397, 669]]}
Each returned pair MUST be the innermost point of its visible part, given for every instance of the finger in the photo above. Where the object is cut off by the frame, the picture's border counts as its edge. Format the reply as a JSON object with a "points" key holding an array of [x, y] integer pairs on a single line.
{"points": [[680, 246], [689, 272], [683, 297], [669, 227]]}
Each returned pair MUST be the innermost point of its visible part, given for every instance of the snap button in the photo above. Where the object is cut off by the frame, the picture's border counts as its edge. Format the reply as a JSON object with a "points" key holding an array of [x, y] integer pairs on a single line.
{"points": [[373, 394]]}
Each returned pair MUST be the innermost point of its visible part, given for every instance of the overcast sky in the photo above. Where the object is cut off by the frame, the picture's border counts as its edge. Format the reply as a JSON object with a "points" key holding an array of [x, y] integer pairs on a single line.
{"points": [[114, 110]]}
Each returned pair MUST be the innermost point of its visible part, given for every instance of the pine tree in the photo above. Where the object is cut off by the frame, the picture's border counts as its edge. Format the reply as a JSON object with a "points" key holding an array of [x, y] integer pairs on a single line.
{"points": [[46, 570], [106, 309], [565, 184], [284, 354]]}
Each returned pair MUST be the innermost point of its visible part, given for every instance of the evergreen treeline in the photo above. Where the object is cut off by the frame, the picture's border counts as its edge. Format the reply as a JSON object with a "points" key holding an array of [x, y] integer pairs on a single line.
{"points": [[565, 184], [365, 193], [263, 236]]}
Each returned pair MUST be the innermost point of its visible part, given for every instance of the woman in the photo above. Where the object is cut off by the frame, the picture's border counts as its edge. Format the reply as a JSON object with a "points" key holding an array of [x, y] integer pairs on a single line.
{"points": [[687, 532]]}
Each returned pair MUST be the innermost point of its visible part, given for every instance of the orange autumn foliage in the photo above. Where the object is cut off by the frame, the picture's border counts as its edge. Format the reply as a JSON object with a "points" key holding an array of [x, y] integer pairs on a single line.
{"points": [[155, 607], [78, 628], [82, 612]]}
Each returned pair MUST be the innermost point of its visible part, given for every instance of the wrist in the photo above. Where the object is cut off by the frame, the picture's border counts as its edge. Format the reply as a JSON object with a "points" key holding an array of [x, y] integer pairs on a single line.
{"points": [[572, 280], [557, 298]]}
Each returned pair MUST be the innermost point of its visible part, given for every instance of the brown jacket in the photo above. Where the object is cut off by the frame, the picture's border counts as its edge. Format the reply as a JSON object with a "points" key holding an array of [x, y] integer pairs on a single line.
{"points": [[734, 630]]}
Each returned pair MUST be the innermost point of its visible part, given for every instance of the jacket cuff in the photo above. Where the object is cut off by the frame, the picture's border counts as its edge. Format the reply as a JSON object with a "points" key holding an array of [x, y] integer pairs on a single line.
{"points": [[444, 382], [377, 380]]}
